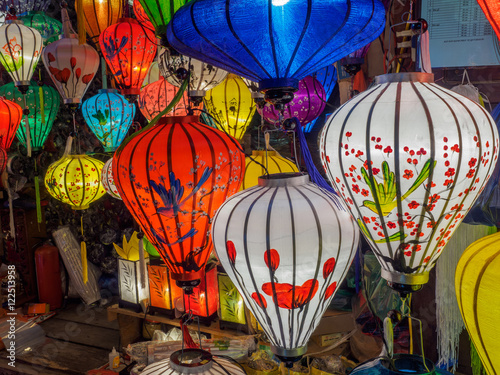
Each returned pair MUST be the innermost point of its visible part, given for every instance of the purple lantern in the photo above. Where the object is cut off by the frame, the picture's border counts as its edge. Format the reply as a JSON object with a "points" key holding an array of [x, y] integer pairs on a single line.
{"points": [[308, 103]]}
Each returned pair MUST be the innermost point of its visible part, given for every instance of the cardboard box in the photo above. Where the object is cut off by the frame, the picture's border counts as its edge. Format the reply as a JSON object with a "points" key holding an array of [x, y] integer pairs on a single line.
{"points": [[329, 338], [334, 321]]}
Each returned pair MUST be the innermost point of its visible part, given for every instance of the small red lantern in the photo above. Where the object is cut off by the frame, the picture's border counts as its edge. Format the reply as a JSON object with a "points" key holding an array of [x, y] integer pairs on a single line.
{"points": [[129, 49], [172, 178], [10, 118]]}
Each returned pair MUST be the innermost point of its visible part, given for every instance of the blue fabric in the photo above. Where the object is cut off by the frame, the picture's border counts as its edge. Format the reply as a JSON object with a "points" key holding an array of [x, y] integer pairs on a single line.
{"points": [[274, 39], [375, 367]]}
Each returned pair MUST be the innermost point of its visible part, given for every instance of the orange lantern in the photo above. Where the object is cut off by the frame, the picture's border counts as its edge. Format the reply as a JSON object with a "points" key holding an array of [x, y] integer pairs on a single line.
{"points": [[163, 292], [99, 14], [491, 9], [204, 300], [173, 177], [10, 118]]}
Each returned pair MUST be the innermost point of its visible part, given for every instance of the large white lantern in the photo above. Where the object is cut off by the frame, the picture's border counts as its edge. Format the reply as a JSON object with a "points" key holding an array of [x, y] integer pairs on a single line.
{"points": [[409, 158], [286, 244]]}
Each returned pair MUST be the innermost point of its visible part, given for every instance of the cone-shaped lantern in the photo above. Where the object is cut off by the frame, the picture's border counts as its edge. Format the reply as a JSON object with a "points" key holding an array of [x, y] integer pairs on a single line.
{"points": [[409, 158], [286, 245], [172, 178], [491, 9], [99, 14], [10, 118]]}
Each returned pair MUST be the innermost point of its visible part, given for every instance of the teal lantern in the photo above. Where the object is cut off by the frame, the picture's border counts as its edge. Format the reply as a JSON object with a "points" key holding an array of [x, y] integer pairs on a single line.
{"points": [[43, 103], [109, 115], [49, 27]]}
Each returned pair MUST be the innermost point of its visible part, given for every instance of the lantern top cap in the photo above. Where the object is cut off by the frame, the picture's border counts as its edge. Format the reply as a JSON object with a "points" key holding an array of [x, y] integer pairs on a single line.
{"points": [[178, 119], [405, 77], [263, 152], [191, 361], [108, 91], [283, 179]]}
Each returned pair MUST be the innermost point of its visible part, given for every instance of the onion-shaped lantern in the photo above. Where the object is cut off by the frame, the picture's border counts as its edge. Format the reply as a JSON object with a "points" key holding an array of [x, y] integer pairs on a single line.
{"points": [[129, 50], [49, 27], [271, 160], [23, 6], [324, 32], [477, 292], [491, 9], [99, 14], [172, 178], [328, 79], [202, 76], [409, 157], [10, 118], [109, 115], [156, 96], [286, 244], [40, 120], [108, 182], [160, 13], [20, 50], [308, 103], [231, 103]]}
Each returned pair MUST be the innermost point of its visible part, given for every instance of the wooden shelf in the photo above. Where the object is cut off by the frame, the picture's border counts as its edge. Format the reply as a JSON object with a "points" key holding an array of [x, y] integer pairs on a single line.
{"points": [[213, 329]]}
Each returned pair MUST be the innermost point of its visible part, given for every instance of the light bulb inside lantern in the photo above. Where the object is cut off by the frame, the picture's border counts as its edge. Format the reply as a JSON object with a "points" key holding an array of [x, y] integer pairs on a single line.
{"points": [[280, 3]]}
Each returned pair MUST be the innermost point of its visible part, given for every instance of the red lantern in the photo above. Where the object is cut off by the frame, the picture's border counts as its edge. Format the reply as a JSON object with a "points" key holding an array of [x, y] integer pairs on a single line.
{"points": [[141, 15], [129, 49], [172, 178], [491, 9], [10, 118]]}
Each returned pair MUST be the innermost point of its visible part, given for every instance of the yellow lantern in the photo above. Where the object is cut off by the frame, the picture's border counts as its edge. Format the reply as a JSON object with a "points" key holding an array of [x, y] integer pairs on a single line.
{"points": [[477, 289], [271, 160], [99, 15], [231, 103]]}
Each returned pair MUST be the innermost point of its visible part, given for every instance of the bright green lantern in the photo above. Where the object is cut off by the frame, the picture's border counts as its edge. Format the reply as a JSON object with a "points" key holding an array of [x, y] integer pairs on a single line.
{"points": [[49, 27], [43, 104], [160, 13]]}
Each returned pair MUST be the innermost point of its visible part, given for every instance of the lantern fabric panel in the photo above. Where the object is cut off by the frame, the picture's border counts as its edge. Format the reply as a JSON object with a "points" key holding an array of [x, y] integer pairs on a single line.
{"points": [[325, 31], [10, 118], [141, 15], [99, 15], [491, 9], [107, 180], [163, 292], [132, 291], [286, 244], [476, 286], [109, 115], [20, 50], [232, 306], [48, 27], [271, 159], [409, 158], [160, 12]]}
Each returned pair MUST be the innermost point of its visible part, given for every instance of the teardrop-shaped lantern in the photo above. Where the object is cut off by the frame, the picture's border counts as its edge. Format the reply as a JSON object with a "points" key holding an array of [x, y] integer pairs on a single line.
{"points": [[477, 292], [308, 103], [286, 245], [40, 120], [491, 9], [215, 31], [202, 76], [48, 27], [274, 163], [20, 50], [129, 50], [99, 14], [160, 12], [109, 115], [156, 96], [172, 178], [10, 118], [410, 158], [231, 103], [23, 6], [108, 182]]}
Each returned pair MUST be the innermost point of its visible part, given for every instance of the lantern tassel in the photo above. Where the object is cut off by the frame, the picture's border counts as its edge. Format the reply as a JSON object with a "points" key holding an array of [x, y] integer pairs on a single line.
{"points": [[5, 182], [186, 336], [142, 259], [80, 20], [83, 252]]}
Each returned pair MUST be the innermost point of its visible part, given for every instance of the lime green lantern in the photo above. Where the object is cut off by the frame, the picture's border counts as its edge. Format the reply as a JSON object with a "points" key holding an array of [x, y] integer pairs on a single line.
{"points": [[160, 13], [49, 27], [43, 104]]}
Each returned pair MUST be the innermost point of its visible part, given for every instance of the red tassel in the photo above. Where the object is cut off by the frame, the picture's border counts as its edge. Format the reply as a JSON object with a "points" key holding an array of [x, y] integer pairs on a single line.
{"points": [[186, 336]]}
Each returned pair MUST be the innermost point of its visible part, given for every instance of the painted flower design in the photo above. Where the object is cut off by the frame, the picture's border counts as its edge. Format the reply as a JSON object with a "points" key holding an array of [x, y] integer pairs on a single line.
{"points": [[231, 251], [330, 290], [289, 296], [328, 267], [272, 259], [259, 299]]}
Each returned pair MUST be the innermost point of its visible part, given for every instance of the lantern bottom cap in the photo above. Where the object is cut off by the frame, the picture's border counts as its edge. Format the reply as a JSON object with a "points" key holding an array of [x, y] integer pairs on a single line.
{"points": [[289, 356], [78, 208], [413, 279], [191, 361], [72, 101]]}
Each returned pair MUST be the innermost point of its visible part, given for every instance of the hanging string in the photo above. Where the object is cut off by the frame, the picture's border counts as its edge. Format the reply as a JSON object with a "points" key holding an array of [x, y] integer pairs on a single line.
{"points": [[76, 133], [83, 252]]}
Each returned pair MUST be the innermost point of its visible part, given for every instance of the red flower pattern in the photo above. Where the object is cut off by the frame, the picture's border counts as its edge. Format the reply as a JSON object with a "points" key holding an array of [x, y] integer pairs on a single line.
{"points": [[72, 62], [231, 251], [330, 290], [301, 295], [259, 298], [328, 267], [87, 78], [408, 174], [272, 259]]}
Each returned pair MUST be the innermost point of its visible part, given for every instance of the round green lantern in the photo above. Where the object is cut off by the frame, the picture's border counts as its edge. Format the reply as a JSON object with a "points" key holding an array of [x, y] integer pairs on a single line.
{"points": [[49, 27], [43, 104]]}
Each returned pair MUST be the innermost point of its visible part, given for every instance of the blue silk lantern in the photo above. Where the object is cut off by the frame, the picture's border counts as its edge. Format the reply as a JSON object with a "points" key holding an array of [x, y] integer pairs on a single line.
{"points": [[296, 37], [109, 115]]}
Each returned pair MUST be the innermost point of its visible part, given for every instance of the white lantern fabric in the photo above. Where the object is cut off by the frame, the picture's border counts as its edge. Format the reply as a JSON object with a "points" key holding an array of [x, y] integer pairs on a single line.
{"points": [[108, 182], [20, 50], [286, 244], [409, 158]]}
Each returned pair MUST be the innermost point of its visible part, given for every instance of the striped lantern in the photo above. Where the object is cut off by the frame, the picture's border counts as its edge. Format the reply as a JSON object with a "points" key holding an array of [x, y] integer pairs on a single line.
{"points": [[99, 14], [108, 181], [274, 163], [410, 158], [173, 177], [286, 244], [10, 118]]}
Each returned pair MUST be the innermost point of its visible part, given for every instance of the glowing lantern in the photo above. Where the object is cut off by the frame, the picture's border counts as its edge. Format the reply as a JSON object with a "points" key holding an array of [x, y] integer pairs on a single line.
{"points": [[307, 104], [286, 244], [109, 115], [270, 159], [202, 76], [160, 12], [156, 96], [10, 118], [204, 300], [328, 79], [163, 292], [172, 178], [324, 32], [40, 120], [49, 27], [231, 103], [491, 9], [99, 14], [409, 190], [108, 181], [477, 291], [23, 6], [233, 313], [129, 50]]}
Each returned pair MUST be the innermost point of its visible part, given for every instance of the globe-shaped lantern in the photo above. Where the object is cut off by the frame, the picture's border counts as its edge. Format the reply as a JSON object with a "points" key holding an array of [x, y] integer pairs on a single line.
{"points": [[307, 104], [273, 162], [108, 182], [491, 9], [231, 103], [324, 32], [48, 27], [409, 157], [99, 14], [40, 120], [202, 76], [129, 50], [10, 118], [172, 177], [23, 6], [109, 115], [20, 50], [286, 244], [160, 13], [156, 96], [477, 291]]}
